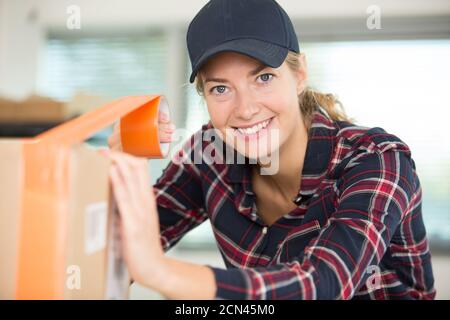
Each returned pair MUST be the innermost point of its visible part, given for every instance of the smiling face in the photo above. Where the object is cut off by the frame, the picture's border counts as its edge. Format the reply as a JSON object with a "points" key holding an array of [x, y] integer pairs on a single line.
{"points": [[247, 101]]}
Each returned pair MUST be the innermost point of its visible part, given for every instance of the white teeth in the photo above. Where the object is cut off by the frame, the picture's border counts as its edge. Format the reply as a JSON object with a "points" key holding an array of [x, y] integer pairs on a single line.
{"points": [[254, 129]]}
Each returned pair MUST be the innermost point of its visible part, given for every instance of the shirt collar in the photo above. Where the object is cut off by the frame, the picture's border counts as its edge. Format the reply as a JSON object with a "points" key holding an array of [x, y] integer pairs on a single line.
{"points": [[319, 152]]}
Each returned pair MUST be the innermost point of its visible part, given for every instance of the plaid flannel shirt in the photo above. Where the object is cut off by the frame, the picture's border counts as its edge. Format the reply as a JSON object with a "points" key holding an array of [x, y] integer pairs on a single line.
{"points": [[357, 231]]}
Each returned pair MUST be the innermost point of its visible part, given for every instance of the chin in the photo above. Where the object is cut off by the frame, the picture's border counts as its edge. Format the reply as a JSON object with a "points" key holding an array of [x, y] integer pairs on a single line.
{"points": [[257, 153]]}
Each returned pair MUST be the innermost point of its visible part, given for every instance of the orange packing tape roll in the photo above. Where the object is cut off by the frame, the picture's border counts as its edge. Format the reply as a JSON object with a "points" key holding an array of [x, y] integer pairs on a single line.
{"points": [[139, 130]]}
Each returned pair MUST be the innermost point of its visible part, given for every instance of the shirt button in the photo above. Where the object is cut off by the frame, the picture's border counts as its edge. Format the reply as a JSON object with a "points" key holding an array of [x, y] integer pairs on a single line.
{"points": [[264, 230]]}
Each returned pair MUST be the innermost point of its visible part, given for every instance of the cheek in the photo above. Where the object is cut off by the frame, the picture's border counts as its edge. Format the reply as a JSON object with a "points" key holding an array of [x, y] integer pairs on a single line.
{"points": [[219, 114], [283, 105], [283, 97]]}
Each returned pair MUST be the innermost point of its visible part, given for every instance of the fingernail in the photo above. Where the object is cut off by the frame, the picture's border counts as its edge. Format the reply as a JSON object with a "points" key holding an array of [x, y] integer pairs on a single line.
{"points": [[164, 116], [171, 126]]}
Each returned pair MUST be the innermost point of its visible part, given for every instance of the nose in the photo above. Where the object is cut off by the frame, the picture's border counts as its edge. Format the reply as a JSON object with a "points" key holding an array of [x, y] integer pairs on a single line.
{"points": [[246, 107]]}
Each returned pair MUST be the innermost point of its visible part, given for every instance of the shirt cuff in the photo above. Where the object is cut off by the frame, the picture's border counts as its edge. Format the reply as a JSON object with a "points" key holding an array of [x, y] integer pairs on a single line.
{"points": [[231, 284]]}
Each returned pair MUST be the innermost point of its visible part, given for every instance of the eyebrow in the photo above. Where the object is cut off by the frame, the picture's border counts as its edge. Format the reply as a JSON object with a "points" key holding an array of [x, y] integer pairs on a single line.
{"points": [[254, 72]]}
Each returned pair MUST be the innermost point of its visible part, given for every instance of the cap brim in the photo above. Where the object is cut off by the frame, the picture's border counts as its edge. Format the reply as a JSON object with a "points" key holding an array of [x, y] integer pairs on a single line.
{"points": [[270, 54]]}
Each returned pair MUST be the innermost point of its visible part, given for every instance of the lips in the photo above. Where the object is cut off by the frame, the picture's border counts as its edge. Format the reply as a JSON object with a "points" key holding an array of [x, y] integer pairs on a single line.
{"points": [[247, 130], [254, 132], [252, 125]]}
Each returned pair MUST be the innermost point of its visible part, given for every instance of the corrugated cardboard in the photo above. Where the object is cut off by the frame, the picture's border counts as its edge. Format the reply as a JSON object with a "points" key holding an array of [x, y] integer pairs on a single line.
{"points": [[57, 213], [39, 109], [33, 109], [86, 262], [83, 243]]}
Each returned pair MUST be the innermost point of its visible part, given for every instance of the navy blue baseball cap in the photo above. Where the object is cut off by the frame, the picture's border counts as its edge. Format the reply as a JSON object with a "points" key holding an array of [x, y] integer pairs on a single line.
{"points": [[260, 29]]}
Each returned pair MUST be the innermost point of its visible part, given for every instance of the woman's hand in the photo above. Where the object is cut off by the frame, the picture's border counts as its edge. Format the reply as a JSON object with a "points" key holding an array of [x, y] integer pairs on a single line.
{"points": [[165, 129], [139, 223], [141, 244]]}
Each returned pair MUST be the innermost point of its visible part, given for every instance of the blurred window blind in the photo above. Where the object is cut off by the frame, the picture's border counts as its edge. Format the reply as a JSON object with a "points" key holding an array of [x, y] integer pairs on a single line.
{"points": [[397, 85], [105, 66], [109, 66], [402, 87], [197, 113]]}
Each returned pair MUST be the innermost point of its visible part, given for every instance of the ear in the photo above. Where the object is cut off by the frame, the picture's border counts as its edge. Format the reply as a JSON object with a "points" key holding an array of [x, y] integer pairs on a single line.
{"points": [[302, 74]]}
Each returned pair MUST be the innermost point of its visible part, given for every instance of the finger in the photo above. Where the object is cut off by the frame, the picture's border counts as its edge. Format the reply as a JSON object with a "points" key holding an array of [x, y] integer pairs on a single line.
{"points": [[120, 181], [163, 117], [131, 202], [125, 165], [141, 175], [129, 167], [165, 137], [122, 198], [119, 190], [114, 142], [138, 180], [167, 127], [123, 157]]}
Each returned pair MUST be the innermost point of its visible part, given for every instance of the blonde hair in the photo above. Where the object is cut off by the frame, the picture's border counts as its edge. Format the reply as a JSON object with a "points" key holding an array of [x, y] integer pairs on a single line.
{"points": [[309, 100]]}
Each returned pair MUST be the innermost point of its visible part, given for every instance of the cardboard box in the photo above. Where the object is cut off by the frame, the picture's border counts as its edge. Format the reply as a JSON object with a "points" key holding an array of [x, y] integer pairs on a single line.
{"points": [[63, 253], [33, 109], [39, 109], [58, 220]]}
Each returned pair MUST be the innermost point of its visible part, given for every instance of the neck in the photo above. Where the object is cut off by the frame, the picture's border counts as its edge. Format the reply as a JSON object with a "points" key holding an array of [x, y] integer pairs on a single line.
{"points": [[287, 180]]}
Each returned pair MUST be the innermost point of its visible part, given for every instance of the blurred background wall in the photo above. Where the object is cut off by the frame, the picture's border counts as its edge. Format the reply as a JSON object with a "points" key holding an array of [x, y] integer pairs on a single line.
{"points": [[395, 75]]}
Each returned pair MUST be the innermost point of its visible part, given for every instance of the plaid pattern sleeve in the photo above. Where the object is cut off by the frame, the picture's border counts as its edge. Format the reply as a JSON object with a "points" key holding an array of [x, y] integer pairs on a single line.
{"points": [[375, 195]]}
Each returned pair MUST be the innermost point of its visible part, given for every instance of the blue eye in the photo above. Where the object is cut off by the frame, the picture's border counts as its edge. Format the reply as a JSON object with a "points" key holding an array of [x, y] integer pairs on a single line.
{"points": [[220, 89], [266, 77]]}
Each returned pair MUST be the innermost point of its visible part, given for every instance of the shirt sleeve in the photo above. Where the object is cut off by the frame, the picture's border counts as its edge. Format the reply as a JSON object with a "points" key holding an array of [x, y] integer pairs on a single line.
{"points": [[373, 196], [179, 197]]}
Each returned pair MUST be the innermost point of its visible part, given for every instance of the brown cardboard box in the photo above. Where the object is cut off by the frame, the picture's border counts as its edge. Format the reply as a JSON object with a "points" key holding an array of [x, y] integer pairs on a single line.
{"points": [[7, 109], [90, 268], [85, 254], [39, 109], [58, 221], [33, 109]]}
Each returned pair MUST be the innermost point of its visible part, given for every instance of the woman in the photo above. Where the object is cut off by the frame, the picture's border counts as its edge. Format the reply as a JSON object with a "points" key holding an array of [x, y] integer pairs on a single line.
{"points": [[340, 217]]}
